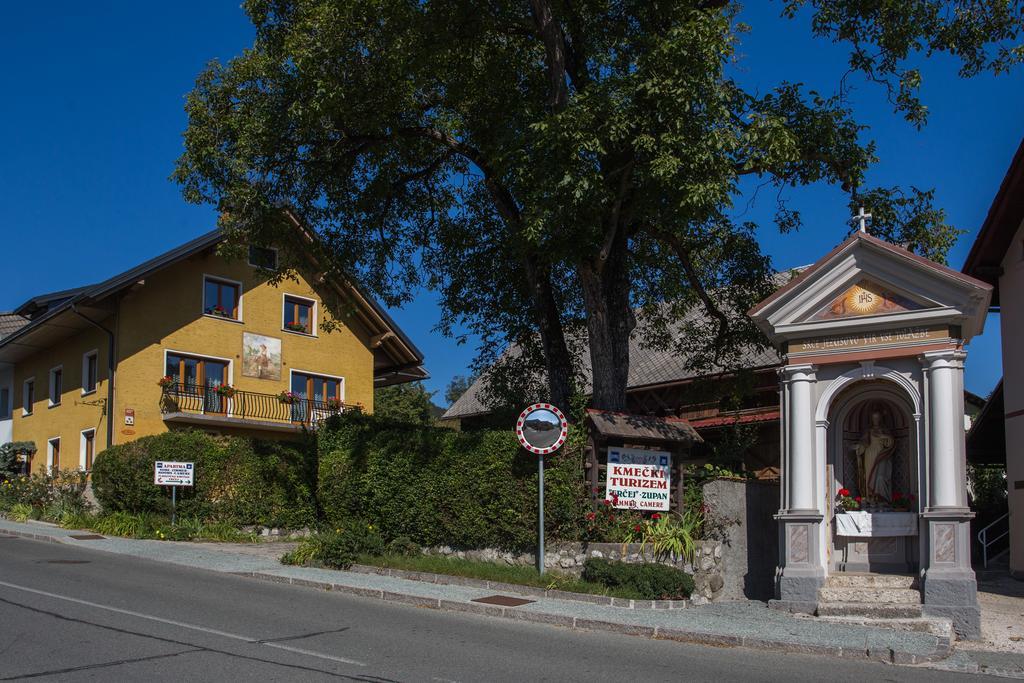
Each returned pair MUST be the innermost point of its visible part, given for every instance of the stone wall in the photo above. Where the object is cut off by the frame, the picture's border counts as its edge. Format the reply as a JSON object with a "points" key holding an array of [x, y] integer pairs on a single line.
{"points": [[707, 568], [750, 545]]}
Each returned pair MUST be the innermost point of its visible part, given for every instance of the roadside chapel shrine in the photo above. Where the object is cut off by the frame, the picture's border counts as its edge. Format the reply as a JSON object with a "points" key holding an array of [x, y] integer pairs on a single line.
{"points": [[872, 413]]}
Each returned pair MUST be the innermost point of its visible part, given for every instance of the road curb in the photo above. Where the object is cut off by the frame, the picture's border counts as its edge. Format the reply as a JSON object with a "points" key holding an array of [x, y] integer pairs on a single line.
{"points": [[884, 654]]}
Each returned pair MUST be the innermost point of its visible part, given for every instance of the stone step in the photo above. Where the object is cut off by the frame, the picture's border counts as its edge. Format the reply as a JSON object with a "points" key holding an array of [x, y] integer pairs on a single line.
{"points": [[852, 579], [868, 609], [873, 595], [942, 628]]}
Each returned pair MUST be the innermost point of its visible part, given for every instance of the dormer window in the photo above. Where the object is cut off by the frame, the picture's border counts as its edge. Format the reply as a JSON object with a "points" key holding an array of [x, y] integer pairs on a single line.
{"points": [[263, 257], [222, 298]]}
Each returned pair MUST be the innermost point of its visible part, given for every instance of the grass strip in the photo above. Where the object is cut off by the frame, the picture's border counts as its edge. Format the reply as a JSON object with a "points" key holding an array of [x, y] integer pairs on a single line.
{"points": [[492, 571]]}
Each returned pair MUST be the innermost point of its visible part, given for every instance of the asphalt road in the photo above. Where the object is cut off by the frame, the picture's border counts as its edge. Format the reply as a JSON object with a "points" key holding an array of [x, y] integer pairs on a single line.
{"points": [[73, 614]]}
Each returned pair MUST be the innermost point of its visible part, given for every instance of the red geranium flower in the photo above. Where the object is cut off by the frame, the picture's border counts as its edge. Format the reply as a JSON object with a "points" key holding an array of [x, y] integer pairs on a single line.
{"points": [[637, 528], [844, 492], [656, 516], [591, 515], [897, 495], [858, 499]]}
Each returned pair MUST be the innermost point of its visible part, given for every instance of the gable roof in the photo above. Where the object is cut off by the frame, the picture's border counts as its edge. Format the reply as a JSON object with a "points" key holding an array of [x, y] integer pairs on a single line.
{"points": [[403, 360], [950, 297], [648, 367], [1004, 218], [848, 244]]}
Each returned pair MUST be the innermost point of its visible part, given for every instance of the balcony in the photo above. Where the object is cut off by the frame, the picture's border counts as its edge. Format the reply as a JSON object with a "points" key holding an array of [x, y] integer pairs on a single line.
{"points": [[220, 407]]}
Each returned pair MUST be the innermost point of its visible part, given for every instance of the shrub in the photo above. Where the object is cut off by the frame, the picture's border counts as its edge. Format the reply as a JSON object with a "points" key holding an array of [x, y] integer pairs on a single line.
{"points": [[238, 481], [651, 581], [436, 486], [20, 512], [335, 550], [10, 462], [51, 495], [669, 535]]}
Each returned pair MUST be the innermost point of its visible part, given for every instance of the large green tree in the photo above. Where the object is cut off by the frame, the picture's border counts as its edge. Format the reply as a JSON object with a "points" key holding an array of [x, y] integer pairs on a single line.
{"points": [[551, 166]]}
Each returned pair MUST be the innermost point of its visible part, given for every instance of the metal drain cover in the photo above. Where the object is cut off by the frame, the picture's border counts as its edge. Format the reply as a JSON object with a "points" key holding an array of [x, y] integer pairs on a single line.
{"points": [[503, 600], [86, 537]]}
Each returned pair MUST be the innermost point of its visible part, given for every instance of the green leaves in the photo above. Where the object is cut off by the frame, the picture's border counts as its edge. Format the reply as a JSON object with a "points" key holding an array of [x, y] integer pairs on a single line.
{"points": [[504, 157]]}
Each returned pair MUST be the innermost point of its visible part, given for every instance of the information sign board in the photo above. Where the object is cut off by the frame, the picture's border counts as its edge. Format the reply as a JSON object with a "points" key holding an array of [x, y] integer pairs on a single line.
{"points": [[638, 479], [173, 473]]}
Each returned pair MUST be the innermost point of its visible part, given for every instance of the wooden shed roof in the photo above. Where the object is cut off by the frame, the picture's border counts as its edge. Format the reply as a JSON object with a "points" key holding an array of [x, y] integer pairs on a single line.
{"points": [[642, 428]]}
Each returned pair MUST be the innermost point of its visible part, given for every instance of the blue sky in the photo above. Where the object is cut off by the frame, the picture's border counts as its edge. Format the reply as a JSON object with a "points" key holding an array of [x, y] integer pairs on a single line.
{"points": [[92, 121]]}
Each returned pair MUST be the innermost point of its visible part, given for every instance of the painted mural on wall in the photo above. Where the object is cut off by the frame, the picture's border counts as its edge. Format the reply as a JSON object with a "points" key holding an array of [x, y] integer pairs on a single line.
{"points": [[866, 298], [261, 356]]}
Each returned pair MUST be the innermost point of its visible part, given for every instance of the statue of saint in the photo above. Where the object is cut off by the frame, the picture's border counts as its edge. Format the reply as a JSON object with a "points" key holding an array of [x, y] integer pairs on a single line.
{"points": [[874, 455]]}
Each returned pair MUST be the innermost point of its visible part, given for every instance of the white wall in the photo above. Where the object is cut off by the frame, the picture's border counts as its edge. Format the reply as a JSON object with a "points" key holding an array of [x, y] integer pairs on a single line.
{"points": [[1011, 317], [7, 381]]}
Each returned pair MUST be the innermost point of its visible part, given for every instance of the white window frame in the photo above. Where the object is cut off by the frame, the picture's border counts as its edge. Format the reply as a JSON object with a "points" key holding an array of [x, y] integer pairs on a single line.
{"points": [[248, 255], [202, 298], [85, 371], [50, 386], [206, 356], [49, 452], [81, 447], [314, 324], [27, 407]]}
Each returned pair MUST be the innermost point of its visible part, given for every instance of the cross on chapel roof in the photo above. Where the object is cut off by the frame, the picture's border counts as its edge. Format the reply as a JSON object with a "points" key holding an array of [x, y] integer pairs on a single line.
{"points": [[861, 218]]}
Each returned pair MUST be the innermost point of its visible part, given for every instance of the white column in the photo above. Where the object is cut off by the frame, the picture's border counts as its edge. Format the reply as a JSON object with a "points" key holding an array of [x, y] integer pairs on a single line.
{"points": [[801, 437], [945, 427]]}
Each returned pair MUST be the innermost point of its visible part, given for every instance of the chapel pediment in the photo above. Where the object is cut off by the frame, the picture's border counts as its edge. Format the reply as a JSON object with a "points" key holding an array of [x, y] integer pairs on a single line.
{"points": [[868, 297], [867, 285]]}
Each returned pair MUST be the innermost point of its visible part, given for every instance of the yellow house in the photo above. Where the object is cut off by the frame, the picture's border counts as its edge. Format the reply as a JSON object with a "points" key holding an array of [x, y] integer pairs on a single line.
{"points": [[192, 339]]}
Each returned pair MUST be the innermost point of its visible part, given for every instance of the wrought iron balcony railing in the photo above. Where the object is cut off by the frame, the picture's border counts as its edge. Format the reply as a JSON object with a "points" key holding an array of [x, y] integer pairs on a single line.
{"points": [[247, 405]]}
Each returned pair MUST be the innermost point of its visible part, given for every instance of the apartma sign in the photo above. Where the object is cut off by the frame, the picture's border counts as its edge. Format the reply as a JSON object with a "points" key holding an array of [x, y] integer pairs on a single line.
{"points": [[638, 479], [173, 473]]}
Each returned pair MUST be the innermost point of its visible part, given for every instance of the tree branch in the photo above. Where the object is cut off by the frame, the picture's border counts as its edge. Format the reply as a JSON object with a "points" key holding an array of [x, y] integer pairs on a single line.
{"points": [[554, 44], [683, 254]]}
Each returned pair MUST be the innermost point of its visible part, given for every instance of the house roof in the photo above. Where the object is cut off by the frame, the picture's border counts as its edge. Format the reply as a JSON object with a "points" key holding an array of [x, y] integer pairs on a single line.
{"points": [[11, 323], [396, 358], [647, 367], [1004, 218]]}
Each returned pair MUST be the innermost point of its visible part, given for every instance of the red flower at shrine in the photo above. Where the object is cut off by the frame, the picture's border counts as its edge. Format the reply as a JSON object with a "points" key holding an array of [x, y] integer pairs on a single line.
{"points": [[897, 495], [656, 516], [637, 528], [858, 499], [844, 492]]}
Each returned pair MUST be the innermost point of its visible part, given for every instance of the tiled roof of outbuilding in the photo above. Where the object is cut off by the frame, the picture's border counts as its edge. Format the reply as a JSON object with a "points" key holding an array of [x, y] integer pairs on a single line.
{"points": [[647, 366], [10, 322]]}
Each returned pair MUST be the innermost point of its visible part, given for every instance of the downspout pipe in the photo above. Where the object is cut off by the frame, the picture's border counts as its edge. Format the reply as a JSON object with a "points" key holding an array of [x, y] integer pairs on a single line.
{"points": [[111, 362]]}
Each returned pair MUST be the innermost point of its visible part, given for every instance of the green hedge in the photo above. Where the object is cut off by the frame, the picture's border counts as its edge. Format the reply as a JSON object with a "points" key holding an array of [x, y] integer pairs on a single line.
{"points": [[652, 581], [436, 486], [238, 480]]}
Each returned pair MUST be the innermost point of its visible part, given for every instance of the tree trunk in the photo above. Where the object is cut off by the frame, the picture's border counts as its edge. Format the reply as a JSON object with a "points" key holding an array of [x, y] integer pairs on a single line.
{"points": [[610, 322], [558, 362]]}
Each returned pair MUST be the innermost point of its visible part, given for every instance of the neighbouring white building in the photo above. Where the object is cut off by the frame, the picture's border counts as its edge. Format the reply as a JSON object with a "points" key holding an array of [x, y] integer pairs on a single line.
{"points": [[8, 324], [997, 257]]}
